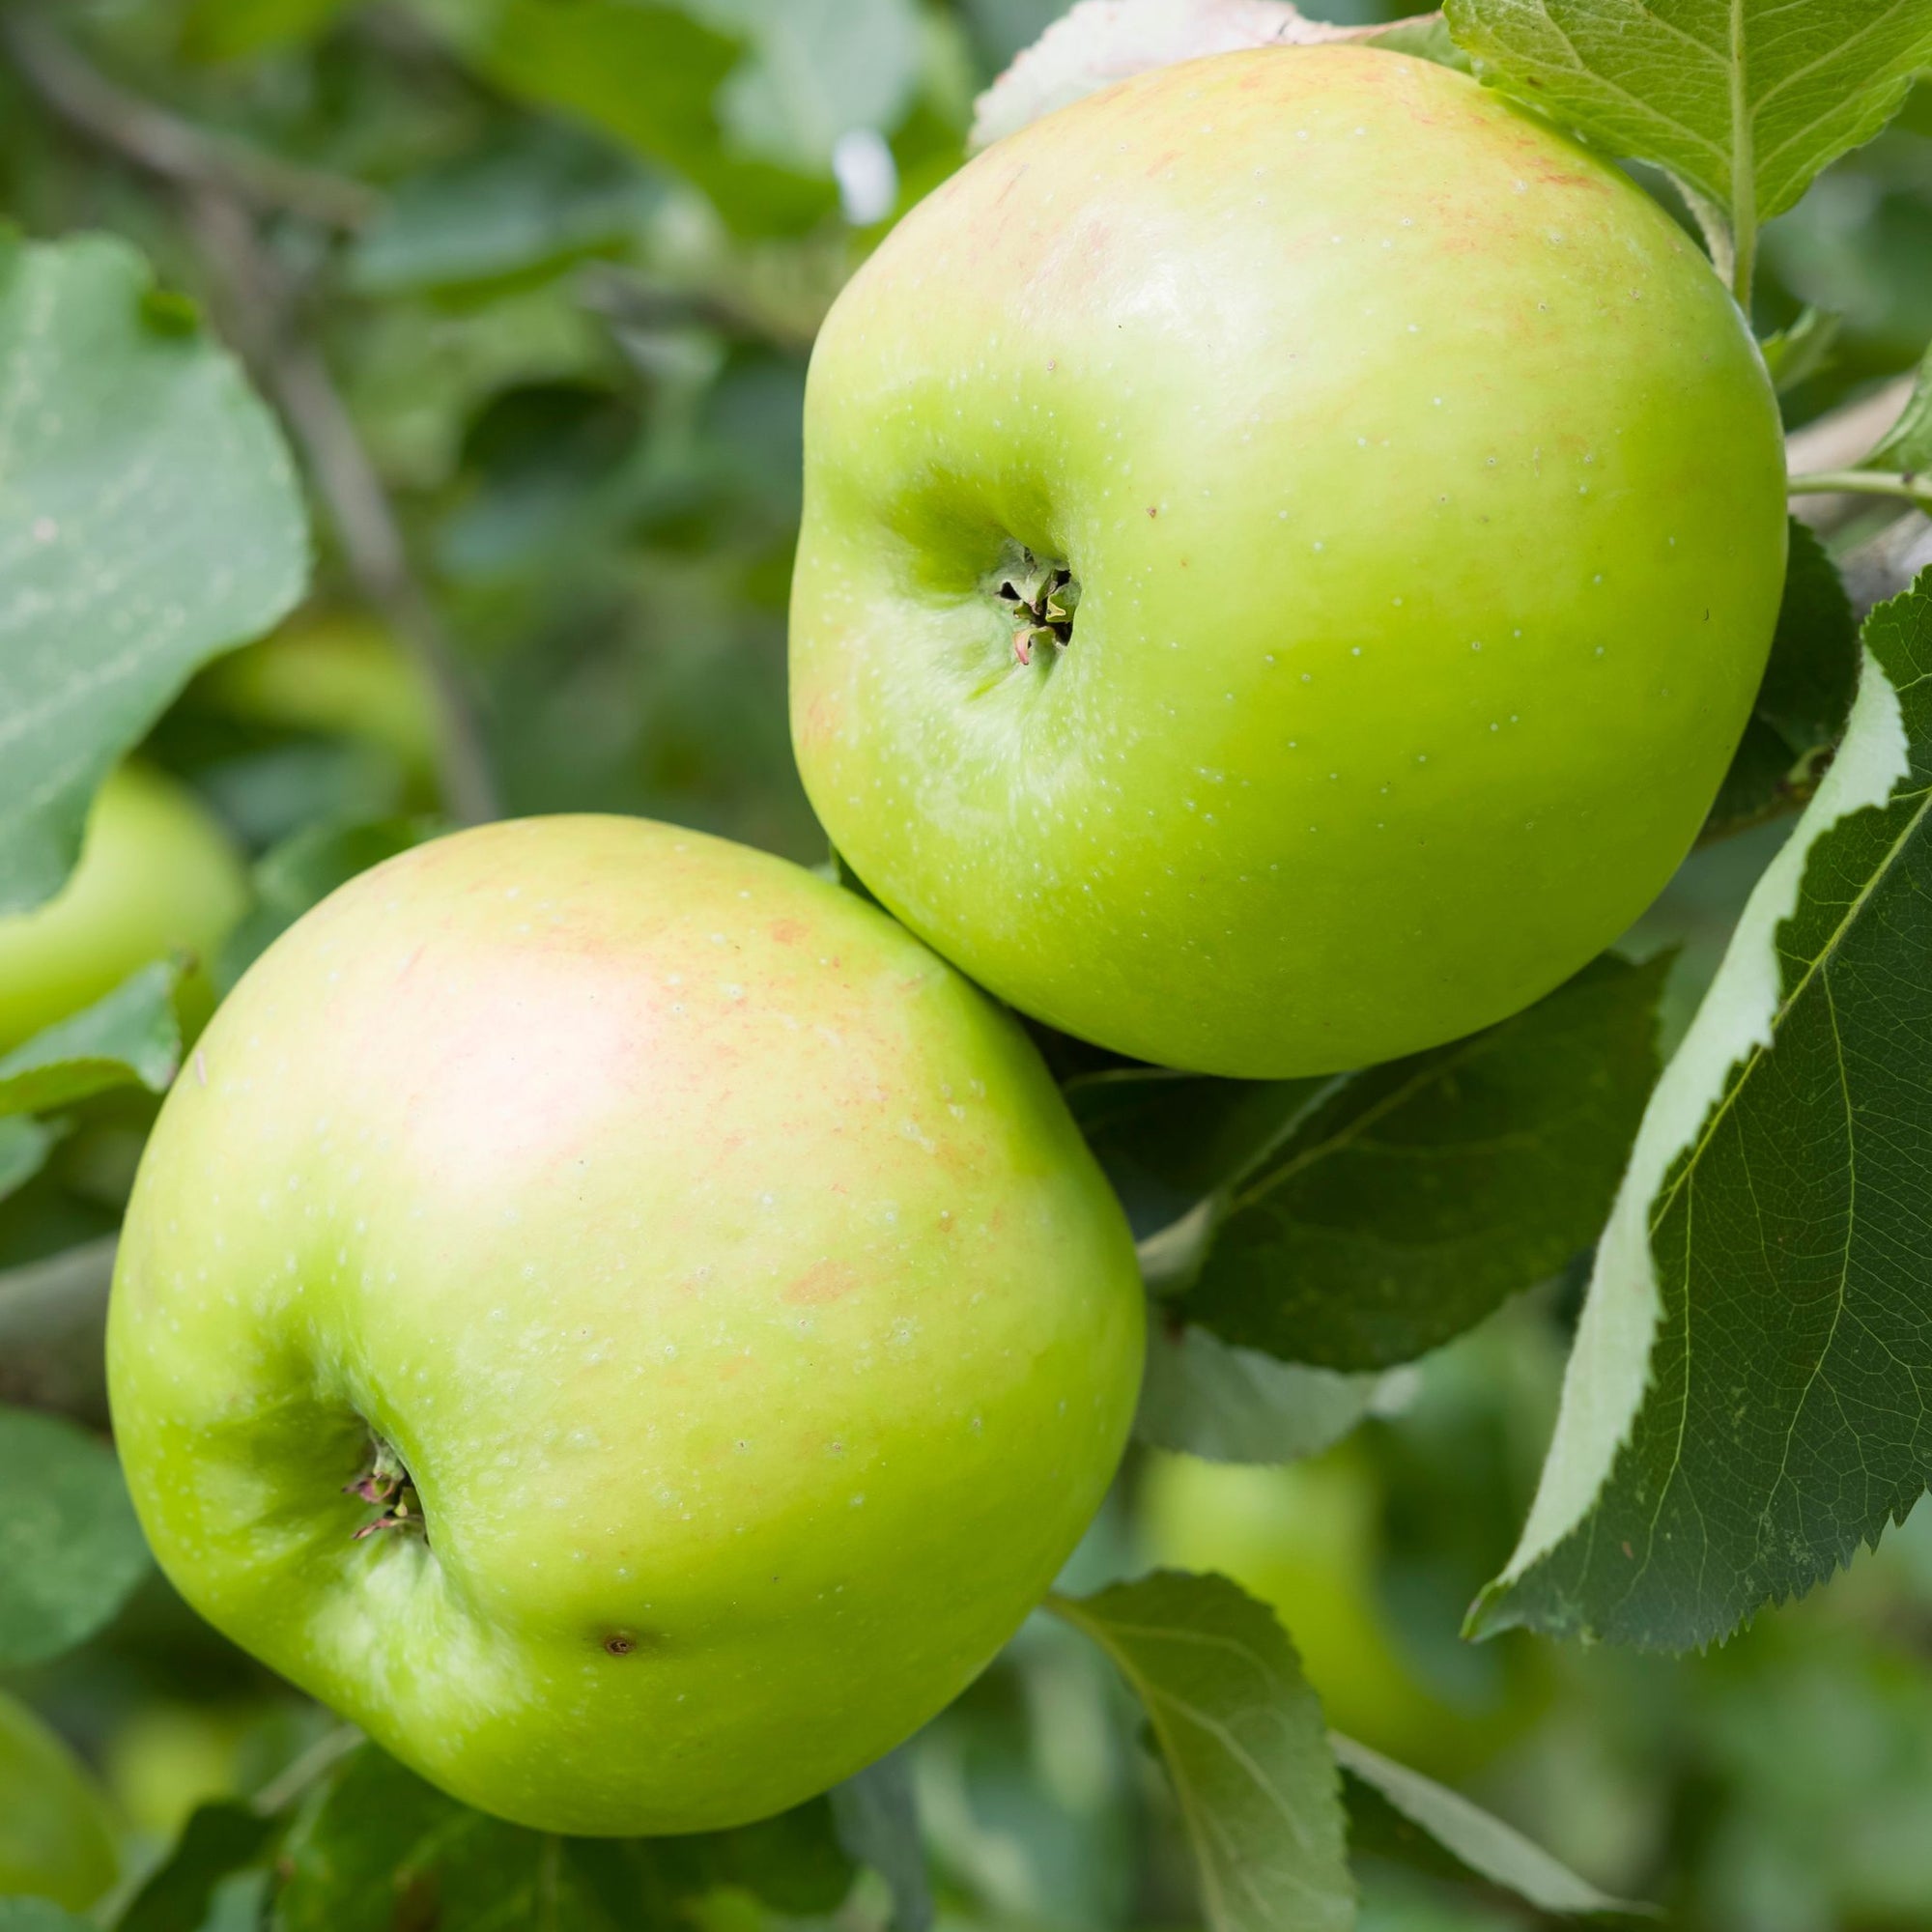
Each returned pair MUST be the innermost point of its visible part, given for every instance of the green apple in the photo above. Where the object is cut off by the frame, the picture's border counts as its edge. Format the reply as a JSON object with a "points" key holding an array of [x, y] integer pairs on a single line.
{"points": [[338, 672], [165, 1759], [615, 1316], [157, 875], [56, 1834], [1289, 546], [1306, 1539]]}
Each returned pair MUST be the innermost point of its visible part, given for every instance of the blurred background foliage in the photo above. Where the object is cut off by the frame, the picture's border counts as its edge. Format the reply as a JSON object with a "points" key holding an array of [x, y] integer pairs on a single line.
{"points": [[561, 261]]}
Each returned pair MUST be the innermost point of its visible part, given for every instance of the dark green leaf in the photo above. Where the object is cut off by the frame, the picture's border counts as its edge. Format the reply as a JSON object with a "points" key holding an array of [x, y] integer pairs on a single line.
{"points": [[151, 519], [1908, 443], [1797, 354], [1745, 1401], [302, 870], [379, 1848], [1170, 1140], [24, 1147], [1417, 1196], [1240, 1733], [1230, 1404], [793, 1862], [69, 1547], [1744, 101], [53, 1321], [219, 1840], [876, 1813], [375, 1840], [1805, 697], [1397, 1813], [132, 1037]]}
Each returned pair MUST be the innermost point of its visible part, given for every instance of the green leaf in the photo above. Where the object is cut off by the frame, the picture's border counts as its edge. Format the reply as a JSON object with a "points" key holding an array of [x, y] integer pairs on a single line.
{"points": [[53, 1321], [302, 870], [794, 1863], [1423, 37], [69, 1547], [131, 1039], [817, 70], [24, 1147], [38, 1915], [876, 1813], [649, 75], [544, 197], [1804, 699], [1169, 1140], [1795, 354], [1742, 100], [375, 1840], [223, 30], [1414, 1198], [1745, 1404], [1240, 1733], [1908, 444], [379, 1847], [1206, 1397], [1398, 1813], [149, 518], [217, 1841]]}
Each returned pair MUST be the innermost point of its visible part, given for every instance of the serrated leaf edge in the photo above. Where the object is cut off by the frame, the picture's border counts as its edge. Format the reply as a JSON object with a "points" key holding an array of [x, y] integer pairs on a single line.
{"points": [[1609, 1372]]}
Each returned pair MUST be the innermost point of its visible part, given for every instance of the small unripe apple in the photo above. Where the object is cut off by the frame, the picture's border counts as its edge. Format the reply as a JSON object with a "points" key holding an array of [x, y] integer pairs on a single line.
{"points": [[157, 875], [56, 1833], [336, 671], [1306, 1538], [1289, 545], [615, 1316]]}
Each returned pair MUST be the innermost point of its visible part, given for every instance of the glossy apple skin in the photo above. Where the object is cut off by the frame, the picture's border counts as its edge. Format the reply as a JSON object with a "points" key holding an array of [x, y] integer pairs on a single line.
{"points": [[726, 1271], [56, 1833], [157, 875], [1424, 488]]}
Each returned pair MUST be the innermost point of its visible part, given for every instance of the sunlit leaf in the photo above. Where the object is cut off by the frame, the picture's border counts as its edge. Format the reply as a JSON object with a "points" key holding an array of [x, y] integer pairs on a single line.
{"points": [[1745, 101], [1746, 1400]]}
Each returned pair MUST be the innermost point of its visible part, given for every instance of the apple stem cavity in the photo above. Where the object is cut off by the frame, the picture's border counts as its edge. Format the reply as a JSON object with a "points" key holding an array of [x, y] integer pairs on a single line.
{"points": [[1039, 597], [385, 1486]]}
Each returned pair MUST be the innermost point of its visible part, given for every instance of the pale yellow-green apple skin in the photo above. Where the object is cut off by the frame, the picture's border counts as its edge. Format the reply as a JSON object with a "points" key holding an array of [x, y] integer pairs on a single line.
{"points": [[754, 1324], [1424, 491], [157, 875], [56, 1833]]}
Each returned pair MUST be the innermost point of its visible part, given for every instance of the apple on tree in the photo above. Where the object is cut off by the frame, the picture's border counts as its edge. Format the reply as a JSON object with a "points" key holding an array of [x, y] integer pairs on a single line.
{"points": [[56, 1832], [1289, 545], [157, 875], [1306, 1539], [613, 1314]]}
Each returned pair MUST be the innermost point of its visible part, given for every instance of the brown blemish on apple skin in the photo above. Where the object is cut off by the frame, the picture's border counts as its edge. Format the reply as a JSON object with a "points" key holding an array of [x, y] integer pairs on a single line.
{"points": [[825, 1280], [628, 1642], [789, 931]]}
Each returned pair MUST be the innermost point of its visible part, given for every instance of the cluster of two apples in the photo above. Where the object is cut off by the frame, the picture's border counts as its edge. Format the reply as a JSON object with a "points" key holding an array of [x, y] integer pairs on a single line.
{"points": [[1289, 545]]}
